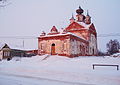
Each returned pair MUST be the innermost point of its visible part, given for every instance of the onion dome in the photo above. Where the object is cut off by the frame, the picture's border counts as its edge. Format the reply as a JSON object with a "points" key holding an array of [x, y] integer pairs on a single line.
{"points": [[88, 13], [72, 17], [54, 30], [87, 18], [80, 10]]}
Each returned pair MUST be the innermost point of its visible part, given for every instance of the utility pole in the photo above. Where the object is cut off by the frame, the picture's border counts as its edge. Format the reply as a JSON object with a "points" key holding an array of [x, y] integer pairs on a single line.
{"points": [[23, 43]]}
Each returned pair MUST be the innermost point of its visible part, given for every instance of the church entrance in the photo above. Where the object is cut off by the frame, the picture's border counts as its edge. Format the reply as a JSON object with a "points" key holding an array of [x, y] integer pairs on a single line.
{"points": [[53, 49]]}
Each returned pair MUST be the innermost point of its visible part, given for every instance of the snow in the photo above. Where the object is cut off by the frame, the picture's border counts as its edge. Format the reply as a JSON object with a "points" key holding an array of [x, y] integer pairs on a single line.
{"points": [[1, 45], [85, 25], [13, 47], [62, 34], [55, 35], [116, 55], [19, 47], [59, 70], [77, 36]]}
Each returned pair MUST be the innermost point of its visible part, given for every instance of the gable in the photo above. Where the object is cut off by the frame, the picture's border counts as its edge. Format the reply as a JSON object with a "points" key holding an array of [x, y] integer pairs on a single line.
{"points": [[4, 45], [74, 26], [92, 27]]}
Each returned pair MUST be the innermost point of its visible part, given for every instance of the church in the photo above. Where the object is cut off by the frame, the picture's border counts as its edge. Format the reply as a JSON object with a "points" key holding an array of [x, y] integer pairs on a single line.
{"points": [[79, 38]]}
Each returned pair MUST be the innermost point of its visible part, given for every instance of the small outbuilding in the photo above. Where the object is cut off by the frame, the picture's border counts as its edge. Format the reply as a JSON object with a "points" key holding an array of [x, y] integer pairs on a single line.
{"points": [[5, 51]]}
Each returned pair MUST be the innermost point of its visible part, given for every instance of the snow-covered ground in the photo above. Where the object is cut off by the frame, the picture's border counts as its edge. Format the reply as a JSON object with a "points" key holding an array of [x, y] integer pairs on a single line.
{"points": [[59, 70]]}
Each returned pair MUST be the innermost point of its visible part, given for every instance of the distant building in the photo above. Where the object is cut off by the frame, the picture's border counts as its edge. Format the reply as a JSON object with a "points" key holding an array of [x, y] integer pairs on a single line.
{"points": [[5, 51], [79, 38], [18, 53], [30, 53]]}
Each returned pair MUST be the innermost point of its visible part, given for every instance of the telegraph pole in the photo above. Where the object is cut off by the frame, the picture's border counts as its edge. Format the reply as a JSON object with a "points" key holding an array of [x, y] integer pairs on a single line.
{"points": [[23, 43]]}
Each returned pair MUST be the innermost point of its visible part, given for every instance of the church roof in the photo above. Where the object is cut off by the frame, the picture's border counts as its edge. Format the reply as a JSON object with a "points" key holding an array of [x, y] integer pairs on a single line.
{"points": [[74, 26], [68, 33], [92, 27]]}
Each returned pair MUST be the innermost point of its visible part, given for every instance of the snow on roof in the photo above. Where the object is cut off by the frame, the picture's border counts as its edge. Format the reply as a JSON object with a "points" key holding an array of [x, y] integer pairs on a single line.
{"points": [[15, 47], [73, 26], [116, 54], [60, 34], [68, 33], [85, 25], [20, 47], [77, 36], [2, 45]]}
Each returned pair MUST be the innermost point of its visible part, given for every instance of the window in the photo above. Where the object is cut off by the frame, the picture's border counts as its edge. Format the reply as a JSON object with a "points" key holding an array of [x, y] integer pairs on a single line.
{"points": [[42, 46], [80, 47], [6, 53], [64, 46]]}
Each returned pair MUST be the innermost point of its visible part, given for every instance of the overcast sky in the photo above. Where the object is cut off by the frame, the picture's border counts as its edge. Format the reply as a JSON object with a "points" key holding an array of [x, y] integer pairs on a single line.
{"points": [[31, 17]]}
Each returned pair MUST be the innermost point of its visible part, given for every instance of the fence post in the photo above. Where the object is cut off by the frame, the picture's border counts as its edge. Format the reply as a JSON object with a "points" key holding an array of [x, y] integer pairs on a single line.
{"points": [[117, 67]]}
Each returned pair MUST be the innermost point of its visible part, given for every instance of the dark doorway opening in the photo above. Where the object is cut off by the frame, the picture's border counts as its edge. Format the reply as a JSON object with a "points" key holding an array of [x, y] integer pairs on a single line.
{"points": [[53, 49]]}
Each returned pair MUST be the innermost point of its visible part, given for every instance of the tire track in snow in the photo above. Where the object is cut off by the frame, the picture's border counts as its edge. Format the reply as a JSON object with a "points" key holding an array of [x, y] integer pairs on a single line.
{"points": [[45, 79]]}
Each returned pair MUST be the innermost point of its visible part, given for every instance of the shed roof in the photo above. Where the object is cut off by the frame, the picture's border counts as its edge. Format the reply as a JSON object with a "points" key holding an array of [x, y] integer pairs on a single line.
{"points": [[2, 45]]}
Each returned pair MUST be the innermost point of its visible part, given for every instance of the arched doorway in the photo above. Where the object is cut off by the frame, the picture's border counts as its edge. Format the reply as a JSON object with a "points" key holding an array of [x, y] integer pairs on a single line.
{"points": [[53, 49]]}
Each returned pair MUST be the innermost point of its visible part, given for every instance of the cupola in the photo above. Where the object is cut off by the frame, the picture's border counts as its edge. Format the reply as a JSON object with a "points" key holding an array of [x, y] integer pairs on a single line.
{"points": [[79, 10], [87, 18], [80, 17], [72, 19]]}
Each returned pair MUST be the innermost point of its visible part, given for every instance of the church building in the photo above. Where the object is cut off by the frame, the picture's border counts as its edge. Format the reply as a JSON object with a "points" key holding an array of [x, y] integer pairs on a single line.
{"points": [[79, 38]]}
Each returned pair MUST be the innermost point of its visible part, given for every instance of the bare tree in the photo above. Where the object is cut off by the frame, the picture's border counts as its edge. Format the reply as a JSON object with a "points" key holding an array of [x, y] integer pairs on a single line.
{"points": [[4, 3], [113, 46]]}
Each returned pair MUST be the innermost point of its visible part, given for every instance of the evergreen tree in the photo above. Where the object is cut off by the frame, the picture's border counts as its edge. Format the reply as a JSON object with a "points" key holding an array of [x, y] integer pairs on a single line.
{"points": [[113, 46]]}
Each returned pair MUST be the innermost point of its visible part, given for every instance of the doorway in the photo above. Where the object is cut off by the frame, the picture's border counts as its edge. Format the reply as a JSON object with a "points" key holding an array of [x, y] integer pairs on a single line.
{"points": [[53, 49]]}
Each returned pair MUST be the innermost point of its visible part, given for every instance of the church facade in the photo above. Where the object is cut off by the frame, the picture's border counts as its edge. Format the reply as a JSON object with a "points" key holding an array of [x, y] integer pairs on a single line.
{"points": [[79, 38]]}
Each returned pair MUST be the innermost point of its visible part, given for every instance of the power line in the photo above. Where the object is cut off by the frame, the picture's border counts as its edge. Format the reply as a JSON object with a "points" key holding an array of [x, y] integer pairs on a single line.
{"points": [[34, 37], [19, 37], [109, 35]]}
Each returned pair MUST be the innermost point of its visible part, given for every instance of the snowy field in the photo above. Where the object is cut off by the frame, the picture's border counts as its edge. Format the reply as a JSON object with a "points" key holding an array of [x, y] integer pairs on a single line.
{"points": [[59, 70]]}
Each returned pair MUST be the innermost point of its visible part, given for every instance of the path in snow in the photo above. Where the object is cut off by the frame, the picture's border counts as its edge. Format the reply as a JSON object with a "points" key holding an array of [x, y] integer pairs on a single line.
{"points": [[12, 79]]}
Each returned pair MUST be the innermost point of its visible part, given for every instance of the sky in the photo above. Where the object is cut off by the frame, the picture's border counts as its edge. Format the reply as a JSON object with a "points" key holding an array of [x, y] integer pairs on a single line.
{"points": [[31, 17]]}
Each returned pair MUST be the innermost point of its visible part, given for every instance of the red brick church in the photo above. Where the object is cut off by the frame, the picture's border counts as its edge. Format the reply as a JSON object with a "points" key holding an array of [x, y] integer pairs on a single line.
{"points": [[79, 38]]}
